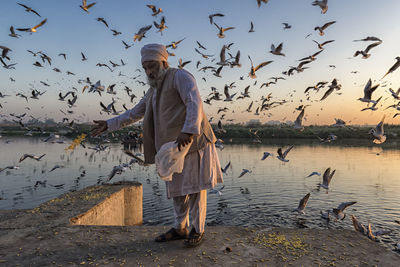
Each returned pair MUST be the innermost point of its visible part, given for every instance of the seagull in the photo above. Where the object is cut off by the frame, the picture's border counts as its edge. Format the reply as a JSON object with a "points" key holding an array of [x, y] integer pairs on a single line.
{"points": [[364, 53], [334, 85], [7, 66], [373, 107], [56, 167], [236, 62], [314, 173], [321, 29], [5, 51], [37, 158], [160, 26], [141, 33], [286, 26], [226, 167], [200, 45], [214, 15], [203, 55], [12, 33], [323, 4], [216, 191], [33, 29], [182, 64], [378, 132], [395, 94], [116, 170], [251, 27], [155, 10], [302, 204], [244, 171], [174, 44], [374, 234], [312, 57], [369, 38], [103, 20], [266, 155], [358, 226], [85, 6], [330, 138], [368, 90], [126, 45], [228, 97], [277, 50], [83, 57], [282, 156], [298, 123], [338, 212], [220, 128], [9, 168], [393, 68], [253, 69], [321, 46], [222, 30], [261, 1], [29, 9], [327, 177]]}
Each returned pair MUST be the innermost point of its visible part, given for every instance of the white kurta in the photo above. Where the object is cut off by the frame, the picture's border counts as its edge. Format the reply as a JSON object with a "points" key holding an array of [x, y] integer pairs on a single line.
{"points": [[201, 168]]}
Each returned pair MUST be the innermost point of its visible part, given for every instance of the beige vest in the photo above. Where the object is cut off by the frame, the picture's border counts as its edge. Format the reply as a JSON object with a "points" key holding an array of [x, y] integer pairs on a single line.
{"points": [[169, 118]]}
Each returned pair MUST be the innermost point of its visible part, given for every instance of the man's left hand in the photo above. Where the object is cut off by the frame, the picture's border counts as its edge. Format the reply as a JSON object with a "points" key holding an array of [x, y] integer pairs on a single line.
{"points": [[184, 139]]}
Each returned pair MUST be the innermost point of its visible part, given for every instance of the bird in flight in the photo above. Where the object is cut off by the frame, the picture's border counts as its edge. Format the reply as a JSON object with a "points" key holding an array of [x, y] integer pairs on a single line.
{"points": [[282, 156], [29, 9], [253, 69], [85, 6], [326, 178], [33, 29], [302, 204], [321, 29], [393, 68]]}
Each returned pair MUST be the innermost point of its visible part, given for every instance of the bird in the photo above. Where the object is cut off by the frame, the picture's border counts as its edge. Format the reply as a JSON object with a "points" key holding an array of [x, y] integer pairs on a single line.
{"points": [[226, 167], [378, 132], [33, 29], [338, 212], [29, 9], [141, 33], [368, 90], [286, 26], [396, 95], [83, 57], [14, 167], [259, 2], [228, 97], [314, 173], [321, 29], [321, 45], [393, 68], [312, 57], [200, 45], [277, 50], [85, 7], [103, 21], [298, 122], [126, 45], [334, 85], [358, 226], [302, 204], [323, 4], [220, 129], [222, 30], [161, 27], [216, 191], [155, 10], [369, 38], [364, 53], [12, 33], [211, 17], [253, 69], [37, 158], [174, 44], [116, 170], [56, 167], [374, 234], [7, 66], [266, 155], [373, 107], [244, 171], [282, 156], [251, 27], [326, 178], [182, 64]]}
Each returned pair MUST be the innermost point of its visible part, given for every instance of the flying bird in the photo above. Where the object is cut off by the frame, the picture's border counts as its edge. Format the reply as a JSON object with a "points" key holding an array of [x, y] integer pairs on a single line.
{"points": [[298, 123], [321, 29], [259, 2], [314, 173], [211, 17], [368, 90], [266, 155], [155, 10], [33, 29], [37, 158], [338, 212], [12, 33], [222, 30], [393, 68], [244, 171], [85, 6], [364, 53], [321, 46], [226, 167], [277, 50], [29, 9], [141, 33], [378, 132], [282, 156], [253, 69], [302, 204], [323, 4], [327, 177]]}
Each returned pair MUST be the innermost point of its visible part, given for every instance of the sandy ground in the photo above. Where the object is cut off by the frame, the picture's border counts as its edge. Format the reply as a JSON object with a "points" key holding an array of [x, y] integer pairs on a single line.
{"points": [[44, 237]]}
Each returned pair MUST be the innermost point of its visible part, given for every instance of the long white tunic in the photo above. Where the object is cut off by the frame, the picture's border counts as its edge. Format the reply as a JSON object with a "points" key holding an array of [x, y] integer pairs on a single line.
{"points": [[201, 168]]}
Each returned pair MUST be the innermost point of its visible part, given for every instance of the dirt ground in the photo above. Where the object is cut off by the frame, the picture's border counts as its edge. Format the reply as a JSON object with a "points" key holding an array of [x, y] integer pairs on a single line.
{"points": [[43, 237]]}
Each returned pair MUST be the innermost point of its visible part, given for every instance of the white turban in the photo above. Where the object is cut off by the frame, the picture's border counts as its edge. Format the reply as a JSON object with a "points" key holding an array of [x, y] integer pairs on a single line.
{"points": [[154, 52]]}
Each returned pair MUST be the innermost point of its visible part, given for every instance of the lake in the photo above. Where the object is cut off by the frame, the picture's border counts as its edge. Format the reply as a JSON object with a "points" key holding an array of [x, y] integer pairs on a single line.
{"points": [[266, 197]]}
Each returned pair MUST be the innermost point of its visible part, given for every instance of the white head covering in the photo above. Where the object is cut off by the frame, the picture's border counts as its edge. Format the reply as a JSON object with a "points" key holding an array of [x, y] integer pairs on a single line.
{"points": [[154, 52]]}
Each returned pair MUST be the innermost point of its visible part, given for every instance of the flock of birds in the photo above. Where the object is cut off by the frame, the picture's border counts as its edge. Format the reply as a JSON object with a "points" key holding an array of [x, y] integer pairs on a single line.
{"points": [[227, 58]]}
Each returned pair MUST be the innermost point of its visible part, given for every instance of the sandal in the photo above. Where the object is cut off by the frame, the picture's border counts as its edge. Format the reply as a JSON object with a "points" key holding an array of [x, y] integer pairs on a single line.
{"points": [[172, 234], [194, 239]]}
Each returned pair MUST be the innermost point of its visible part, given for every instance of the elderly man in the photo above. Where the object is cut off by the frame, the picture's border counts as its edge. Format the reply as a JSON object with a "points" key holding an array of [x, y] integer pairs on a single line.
{"points": [[173, 111]]}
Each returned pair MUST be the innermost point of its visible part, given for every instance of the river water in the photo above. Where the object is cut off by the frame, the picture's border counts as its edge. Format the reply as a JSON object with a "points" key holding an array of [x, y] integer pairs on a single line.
{"points": [[366, 173]]}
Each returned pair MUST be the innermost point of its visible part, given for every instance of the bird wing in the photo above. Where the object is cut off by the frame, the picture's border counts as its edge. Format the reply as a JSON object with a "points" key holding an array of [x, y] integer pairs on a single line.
{"points": [[344, 205], [303, 202], [262, 65], [327, 93], [227, 166], [287, 151], [371, 46], [300, 117], [40, 24], [326, 25], [327, 42], [226, 91], [379, 127], [325, 177]]}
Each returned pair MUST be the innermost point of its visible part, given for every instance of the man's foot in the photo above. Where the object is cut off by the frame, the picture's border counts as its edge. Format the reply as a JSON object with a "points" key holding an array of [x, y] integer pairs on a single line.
{"points": [[172, 234], [194, 239]]}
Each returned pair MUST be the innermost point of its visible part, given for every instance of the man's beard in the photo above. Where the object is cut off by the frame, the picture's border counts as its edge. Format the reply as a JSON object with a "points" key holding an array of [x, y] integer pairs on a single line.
{"points": [[156, 82]]}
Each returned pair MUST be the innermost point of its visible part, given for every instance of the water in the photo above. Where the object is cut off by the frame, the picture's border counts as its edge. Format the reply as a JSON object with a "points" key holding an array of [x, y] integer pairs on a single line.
{"points": [[265, 197]]}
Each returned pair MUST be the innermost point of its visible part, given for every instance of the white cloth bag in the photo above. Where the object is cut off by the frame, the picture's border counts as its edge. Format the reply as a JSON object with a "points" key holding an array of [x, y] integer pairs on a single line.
{"points": [[170, 160]]}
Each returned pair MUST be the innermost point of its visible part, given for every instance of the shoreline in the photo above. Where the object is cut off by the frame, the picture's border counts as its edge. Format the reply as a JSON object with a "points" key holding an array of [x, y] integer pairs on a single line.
{"points": [[43, 236]]}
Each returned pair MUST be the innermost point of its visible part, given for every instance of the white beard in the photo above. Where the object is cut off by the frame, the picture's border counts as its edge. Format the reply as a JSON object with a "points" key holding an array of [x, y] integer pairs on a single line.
{"points": [[156, 82]]}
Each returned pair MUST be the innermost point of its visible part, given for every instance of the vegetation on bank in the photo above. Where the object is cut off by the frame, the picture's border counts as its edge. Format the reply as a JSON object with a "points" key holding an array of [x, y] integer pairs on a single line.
{"points": [[239, 131]]}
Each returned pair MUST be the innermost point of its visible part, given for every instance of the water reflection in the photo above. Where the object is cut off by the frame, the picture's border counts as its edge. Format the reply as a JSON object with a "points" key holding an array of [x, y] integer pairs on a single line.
{"points": [[264, 197]]}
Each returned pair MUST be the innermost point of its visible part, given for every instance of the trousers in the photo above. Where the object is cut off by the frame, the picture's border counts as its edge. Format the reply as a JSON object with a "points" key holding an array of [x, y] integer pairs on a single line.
{"points": [[196, 204]]}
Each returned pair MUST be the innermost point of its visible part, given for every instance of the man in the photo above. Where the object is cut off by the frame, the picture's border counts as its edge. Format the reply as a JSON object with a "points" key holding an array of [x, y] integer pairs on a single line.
{"points": [[173, 111]]}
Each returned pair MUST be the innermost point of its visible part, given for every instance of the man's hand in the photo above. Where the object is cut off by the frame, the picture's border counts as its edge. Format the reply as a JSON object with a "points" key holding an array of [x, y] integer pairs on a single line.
{"points": [[183, 139], [98, 128]]}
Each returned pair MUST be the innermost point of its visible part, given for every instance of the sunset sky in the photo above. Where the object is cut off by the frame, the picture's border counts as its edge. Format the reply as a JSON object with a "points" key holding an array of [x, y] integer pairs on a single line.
{"points": [[70, 30]]}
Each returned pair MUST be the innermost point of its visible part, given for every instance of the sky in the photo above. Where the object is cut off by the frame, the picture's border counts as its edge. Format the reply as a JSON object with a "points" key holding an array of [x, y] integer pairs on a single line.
{"points": [[71, 30]]}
